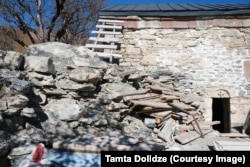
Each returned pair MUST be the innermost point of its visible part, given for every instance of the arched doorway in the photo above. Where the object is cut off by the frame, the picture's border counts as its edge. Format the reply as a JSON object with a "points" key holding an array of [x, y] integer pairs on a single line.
{"points": [[221, 110]]}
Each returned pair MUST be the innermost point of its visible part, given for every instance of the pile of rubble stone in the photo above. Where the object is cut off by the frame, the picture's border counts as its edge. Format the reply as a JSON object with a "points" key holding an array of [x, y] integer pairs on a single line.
{"points": [[57, 92]]}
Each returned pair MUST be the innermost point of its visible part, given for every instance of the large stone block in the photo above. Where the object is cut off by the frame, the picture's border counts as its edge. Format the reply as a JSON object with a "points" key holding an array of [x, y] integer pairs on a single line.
{"points": [[40, 64], [13, 60], [65, 110], [84, 74]]}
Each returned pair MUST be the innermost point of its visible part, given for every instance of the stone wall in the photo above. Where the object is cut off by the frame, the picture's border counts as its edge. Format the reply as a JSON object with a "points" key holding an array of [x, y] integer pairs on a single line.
{"points": [[213, 52]]}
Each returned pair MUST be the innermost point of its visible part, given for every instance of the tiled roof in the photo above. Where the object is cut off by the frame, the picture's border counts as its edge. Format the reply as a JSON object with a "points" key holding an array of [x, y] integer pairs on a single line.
{"points": [[175, 9]]}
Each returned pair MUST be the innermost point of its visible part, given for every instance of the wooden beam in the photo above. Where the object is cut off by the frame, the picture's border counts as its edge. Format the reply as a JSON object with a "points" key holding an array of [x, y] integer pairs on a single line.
{"points": [[231, 146], [189, 136], [169, 97], [106, 32], [158, 88], [107, 55], [167, 130], [101, 46], [122, 94], [109, 27], [104, 39], [158, 83], [141, 96], [234, 135], [151, 104]]}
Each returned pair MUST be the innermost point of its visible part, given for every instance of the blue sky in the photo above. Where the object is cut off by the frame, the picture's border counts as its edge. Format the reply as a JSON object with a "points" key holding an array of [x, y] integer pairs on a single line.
{"points": [[177, 1]]}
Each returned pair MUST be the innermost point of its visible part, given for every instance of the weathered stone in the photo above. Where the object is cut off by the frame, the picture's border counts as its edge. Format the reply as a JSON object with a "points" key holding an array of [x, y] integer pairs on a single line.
{"points": [[118, 87], [52, 91], [134, 126], [39, 97], [18, 101], [3, 104], [5, 144], [71, 85], [12, 124], [83, 74], [13, 60], [40, 64], [65, 109], [190, 98], [2, 56], [101, 122], [28, 112], [41, 80], [21, 86], [74, 124], [21, 150], [57, 49]]}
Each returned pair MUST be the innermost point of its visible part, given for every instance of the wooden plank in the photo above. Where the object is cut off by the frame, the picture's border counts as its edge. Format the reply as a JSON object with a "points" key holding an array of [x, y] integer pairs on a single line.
{"points": [[234, 135], [167, 130], [231, 146], [158, 83], [234, 143], [106, 39], [108, 55], [101, 46], [184, 106], [158, 88], [169, 97], [160, 114], [189, 136], [142, 96], [122, 94], [109, 27], [110, 21], [212, 123], [106, 32], [148, 110], [151, 104], [172, 93]]}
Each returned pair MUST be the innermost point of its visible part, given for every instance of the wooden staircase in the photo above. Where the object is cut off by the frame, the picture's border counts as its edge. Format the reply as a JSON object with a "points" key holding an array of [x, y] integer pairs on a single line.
{"points": [[106, 41]]}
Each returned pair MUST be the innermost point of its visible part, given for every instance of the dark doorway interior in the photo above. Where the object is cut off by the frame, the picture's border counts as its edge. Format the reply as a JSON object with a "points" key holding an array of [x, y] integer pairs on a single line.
{"points": [[221, 112]]}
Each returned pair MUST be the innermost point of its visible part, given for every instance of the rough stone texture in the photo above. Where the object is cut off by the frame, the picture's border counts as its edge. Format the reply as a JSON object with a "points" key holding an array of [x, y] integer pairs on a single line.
{"points": [[40, 64], [65, 109], [84, 74], [41, 79], [18, 101], [71, 85], [51, 49], [13, 60], [212, 57]]}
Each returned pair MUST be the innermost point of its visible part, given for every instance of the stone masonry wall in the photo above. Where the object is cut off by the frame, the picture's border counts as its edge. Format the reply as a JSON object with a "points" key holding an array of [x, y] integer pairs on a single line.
{"points": [[214, 53]]}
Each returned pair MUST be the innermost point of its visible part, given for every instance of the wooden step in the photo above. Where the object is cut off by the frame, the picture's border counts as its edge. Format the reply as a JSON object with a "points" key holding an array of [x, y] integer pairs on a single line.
{"points": [[108, 55], [231, 146], [110, 21], [106, 32], [104, 39], [109, 27], [101, 46]]}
